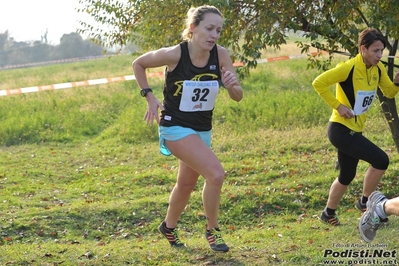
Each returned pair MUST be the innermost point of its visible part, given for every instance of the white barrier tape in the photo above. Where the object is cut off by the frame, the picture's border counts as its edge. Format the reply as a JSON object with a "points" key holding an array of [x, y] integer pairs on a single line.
{"points": [[123, 78], [65, 85]]}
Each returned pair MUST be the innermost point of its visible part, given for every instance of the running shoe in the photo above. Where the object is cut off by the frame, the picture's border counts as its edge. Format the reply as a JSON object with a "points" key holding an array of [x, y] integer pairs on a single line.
{"points": [[370, 222], [330, 219], [215, 240], [171, 235], [361, 206]]}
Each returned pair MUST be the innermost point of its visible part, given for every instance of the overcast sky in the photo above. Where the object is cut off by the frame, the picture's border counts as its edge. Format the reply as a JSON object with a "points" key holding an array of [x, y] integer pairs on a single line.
{"points": [[27, 20]]}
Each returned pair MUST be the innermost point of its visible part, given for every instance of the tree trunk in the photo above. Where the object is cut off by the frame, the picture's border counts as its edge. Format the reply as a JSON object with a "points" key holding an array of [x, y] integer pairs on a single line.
{"points": [[388, 106], [390, 112]]}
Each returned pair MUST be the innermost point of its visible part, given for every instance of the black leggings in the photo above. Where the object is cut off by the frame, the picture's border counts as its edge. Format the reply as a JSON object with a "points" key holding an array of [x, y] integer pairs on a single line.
{"points": [[352, 147]]}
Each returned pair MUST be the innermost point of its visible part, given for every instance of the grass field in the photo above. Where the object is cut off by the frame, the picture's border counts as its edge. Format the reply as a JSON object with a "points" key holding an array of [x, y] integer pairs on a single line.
{"points": [[82, 181]]}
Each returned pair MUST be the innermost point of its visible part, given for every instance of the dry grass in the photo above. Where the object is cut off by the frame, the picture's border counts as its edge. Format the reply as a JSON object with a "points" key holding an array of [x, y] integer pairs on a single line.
{"points": [[286, 49]]}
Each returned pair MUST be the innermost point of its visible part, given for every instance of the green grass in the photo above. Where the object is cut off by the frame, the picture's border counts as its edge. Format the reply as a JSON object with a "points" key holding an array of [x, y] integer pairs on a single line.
{"points": [[82, 181]]}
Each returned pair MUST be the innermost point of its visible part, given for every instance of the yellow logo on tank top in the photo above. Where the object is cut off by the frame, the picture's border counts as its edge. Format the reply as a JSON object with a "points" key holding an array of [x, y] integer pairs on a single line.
{"points": [[179, 84]]}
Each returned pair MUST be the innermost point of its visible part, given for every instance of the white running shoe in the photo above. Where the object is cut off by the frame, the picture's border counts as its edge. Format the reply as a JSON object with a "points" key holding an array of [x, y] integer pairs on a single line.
{"points": [[370, 222]]}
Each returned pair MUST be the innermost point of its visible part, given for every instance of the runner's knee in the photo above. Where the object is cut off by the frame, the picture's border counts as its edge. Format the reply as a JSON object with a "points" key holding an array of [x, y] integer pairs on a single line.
{"points": [[382, 162], [216, 178]]}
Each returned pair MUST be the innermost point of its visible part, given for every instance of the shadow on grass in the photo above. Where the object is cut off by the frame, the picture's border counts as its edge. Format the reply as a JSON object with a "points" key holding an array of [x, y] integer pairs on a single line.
{"points": [[92, 221]]}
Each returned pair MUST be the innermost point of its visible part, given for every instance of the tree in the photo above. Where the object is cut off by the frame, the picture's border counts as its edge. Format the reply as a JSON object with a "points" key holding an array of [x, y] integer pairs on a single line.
{"points": [[3, 54], [253, 26], [71, 45]]}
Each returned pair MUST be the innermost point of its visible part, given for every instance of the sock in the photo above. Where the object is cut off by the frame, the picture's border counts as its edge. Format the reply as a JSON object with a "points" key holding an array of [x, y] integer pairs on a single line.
{"points": [[167, 228], [380, 210], [364, 199], [330, 211]]}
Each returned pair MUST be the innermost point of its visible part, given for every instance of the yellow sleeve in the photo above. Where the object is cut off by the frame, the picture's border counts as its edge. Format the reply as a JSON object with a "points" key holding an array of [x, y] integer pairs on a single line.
{"points": [[386, 85], [331, 77]]}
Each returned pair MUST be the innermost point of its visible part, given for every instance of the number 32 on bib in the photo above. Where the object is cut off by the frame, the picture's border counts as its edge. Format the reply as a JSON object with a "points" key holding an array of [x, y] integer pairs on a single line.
{"points": [[198, 95]]}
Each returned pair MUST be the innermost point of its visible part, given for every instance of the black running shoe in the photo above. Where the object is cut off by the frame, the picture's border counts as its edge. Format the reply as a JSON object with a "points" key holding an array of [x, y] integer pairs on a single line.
{"points": [[171, 235], [361, 206], [215, 240], [330, 219]]}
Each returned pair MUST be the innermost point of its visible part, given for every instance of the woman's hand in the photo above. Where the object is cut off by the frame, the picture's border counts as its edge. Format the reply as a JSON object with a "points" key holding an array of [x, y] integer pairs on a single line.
{"points": [[229, 79], [396, 78], [152, 110], [230, 82], [345, 111]]}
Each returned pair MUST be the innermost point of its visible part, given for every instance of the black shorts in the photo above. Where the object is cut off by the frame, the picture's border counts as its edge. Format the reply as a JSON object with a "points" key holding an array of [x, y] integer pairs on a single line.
{"points": [[353, 146]]}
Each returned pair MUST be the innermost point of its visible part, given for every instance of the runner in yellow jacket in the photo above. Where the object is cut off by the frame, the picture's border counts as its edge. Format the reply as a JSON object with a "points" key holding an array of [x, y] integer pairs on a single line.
{"points": [[356, 82]]}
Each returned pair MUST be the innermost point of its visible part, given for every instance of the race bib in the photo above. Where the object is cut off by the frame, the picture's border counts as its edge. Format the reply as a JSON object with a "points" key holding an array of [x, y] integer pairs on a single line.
{"points": [[363, 102], [198, 95]]}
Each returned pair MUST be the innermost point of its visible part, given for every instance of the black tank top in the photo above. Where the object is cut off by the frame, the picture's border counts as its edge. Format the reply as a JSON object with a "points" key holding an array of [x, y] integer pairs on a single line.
{"points": [[172, 91]]}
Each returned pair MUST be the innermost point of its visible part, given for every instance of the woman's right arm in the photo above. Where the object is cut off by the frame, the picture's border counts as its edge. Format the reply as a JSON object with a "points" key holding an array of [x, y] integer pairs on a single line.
{"points": [[322, 84], [162, 57]]}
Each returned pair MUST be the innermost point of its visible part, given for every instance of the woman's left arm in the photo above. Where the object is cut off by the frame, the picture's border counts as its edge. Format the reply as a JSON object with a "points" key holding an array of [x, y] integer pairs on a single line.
{"points": [[229, 77], [387, 86]]}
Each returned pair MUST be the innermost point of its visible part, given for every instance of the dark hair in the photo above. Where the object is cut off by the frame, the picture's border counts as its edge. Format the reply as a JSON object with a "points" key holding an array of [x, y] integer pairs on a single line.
{"points": [[369, 36], [195, 16]]}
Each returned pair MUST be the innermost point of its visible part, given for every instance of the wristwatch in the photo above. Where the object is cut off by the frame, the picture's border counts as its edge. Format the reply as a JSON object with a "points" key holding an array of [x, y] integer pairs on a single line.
{"points": [[144, 92]]}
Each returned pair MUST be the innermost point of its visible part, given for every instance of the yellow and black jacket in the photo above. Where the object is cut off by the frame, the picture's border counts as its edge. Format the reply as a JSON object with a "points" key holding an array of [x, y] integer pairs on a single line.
{"points": [[350, 77]]}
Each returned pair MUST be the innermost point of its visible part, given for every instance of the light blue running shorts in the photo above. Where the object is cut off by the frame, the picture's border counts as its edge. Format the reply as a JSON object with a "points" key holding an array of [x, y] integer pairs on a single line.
{"points": [[177, 132]]}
